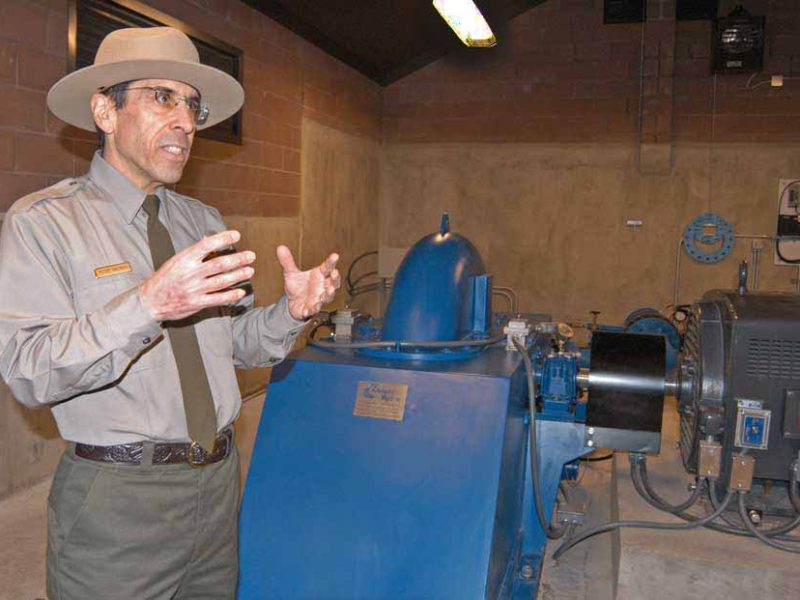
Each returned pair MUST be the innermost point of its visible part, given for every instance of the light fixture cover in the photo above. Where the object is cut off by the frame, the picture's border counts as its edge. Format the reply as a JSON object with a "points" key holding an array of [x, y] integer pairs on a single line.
{"points": [[467, 21]]}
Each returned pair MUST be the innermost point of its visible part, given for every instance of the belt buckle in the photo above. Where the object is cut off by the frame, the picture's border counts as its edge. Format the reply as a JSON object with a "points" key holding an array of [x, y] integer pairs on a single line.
{"points": [[196, 449]]}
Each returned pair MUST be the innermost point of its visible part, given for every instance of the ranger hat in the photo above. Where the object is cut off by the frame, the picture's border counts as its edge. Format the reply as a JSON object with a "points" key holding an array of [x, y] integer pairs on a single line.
{"points": [[144, 53]]}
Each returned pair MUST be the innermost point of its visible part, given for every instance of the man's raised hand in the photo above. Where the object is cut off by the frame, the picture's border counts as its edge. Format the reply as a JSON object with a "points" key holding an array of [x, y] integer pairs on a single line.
{"points": [[308, 291], [188, 283]]}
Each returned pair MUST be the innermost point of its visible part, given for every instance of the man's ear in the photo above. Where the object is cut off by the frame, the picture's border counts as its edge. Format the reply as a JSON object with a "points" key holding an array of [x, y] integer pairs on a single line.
{"points": [[104, 112]]}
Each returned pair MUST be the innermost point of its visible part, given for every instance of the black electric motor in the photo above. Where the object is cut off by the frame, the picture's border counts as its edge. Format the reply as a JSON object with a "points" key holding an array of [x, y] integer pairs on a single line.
{"points": [[738, 381]]}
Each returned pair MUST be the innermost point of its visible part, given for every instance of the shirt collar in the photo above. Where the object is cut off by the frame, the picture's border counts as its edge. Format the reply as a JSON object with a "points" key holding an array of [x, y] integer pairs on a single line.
{"points": [[125, 195]]}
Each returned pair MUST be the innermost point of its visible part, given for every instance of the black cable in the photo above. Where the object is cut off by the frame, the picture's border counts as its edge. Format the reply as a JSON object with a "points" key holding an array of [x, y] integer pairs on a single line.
{"points": [[642, 485], [397, 344], [772, 532], [794, 495], [534, 454], [363, 289], [363, 277], [608, 456], [760, 535], [640, 525], [712, 497], [640, 482], [735, 529], [348, 277]]}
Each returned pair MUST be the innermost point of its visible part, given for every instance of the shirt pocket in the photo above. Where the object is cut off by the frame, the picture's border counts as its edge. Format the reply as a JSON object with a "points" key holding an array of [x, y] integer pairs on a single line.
{"points": [[91, 293]]}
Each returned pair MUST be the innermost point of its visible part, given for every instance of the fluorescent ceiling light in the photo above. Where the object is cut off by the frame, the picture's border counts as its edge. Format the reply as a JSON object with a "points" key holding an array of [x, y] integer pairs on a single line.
{"points": [[467, 21]]}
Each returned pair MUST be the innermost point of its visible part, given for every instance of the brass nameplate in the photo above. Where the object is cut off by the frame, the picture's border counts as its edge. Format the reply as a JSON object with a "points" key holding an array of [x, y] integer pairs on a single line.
{"points": [[380, 400], [112, 270]]}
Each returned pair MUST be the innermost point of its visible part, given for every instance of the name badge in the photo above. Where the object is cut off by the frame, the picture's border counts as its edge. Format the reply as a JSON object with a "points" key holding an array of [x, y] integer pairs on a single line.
{"points": [[123, 267]]}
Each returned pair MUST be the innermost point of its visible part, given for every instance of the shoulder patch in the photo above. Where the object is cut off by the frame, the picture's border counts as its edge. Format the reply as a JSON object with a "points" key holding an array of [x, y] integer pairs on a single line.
{"points": [[62, 189]]}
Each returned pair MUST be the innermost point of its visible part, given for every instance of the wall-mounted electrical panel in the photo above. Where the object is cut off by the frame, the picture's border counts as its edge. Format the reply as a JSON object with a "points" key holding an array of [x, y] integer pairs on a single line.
{"points": [[787, 246]]}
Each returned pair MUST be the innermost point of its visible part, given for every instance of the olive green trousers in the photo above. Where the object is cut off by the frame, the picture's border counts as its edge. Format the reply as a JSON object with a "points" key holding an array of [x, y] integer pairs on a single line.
{"points": [[140, 532]]}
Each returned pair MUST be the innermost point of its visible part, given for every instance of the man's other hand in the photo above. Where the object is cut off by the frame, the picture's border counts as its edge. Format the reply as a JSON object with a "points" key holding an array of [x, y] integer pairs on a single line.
{"points": [[188, 283], [308, 290]]}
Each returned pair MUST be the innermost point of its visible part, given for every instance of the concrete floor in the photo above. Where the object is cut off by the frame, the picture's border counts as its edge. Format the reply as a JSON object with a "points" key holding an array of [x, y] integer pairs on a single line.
{"points": [[633, 565], [636, 564], [665, 565]]}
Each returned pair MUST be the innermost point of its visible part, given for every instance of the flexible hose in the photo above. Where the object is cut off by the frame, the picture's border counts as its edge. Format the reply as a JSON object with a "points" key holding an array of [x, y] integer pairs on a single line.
{"points": [[639, 474], [772, 532], [348, 277], [349, 345], [760, 535], [389, 344], [508, 297], [641, 484], [552, 533], [510, 294], [794, 496], [590, 459], [641, 525]]}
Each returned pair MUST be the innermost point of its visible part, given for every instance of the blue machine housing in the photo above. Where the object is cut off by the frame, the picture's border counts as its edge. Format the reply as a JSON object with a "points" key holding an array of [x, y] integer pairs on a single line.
{"points": [[437, 505], [426, 492]]}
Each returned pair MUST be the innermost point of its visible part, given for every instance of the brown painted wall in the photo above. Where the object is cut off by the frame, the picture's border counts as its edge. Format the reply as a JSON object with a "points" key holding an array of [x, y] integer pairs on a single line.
{"points": [[261, 187]]}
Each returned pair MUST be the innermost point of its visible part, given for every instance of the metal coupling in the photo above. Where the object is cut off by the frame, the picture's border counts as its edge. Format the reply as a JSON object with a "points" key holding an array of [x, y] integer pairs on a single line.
{"points": [[582, 379], [636, 458], [671, 386]]}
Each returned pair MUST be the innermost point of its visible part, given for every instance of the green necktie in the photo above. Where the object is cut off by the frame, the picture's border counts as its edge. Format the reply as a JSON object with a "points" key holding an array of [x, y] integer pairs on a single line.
{"points": [[198, 403]]}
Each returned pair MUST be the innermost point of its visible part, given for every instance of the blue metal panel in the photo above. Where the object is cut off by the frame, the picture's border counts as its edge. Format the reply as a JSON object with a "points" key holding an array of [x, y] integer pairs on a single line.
{"points": [[339, 506], [481, 304], [559, 443]]}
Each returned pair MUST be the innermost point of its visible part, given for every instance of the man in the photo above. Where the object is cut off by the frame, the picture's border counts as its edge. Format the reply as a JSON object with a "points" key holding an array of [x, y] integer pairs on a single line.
{"points": [[123, 309]]}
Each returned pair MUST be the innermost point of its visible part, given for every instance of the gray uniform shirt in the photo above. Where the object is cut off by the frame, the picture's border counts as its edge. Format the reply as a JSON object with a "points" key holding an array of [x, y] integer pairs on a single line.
{"points": [[74, 334]]}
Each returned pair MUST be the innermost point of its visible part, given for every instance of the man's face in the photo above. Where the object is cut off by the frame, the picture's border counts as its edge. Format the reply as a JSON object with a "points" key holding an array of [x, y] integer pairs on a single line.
{"points": [[149, 141]]}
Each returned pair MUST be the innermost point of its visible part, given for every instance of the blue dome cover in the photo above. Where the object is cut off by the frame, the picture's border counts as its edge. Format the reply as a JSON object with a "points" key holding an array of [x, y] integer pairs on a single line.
{"points": [[432, 295]]}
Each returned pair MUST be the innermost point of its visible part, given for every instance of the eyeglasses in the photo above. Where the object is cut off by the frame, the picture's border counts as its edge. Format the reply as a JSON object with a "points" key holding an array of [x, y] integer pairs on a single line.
{"points": [[167, 100]]}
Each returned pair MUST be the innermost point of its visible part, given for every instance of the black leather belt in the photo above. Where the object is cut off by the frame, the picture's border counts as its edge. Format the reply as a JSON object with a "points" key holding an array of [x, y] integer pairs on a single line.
{"points": [[167, 453]]}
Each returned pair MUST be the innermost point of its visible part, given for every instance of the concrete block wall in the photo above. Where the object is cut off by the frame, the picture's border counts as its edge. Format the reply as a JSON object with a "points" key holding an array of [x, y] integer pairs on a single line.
{"points": [[543, 147], [285, 78], [559, 75], [260, 186]]}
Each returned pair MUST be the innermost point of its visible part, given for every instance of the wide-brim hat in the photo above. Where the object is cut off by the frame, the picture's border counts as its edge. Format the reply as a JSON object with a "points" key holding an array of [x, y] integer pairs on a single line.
{"points": [[144, 53]]}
